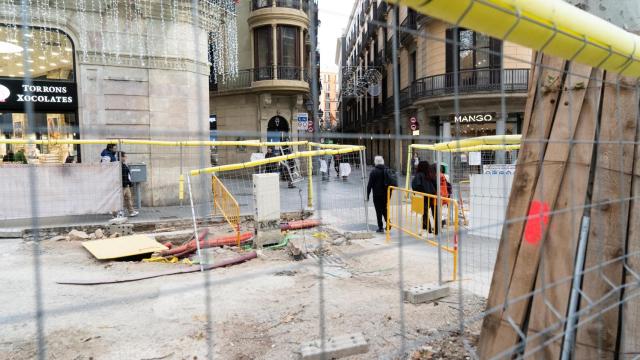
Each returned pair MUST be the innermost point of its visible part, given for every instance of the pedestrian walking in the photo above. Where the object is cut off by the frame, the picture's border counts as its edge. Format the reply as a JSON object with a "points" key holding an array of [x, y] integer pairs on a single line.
{"points": [[379, 181], [108, 154], [424, 181], [126, 185], [21, 157]]}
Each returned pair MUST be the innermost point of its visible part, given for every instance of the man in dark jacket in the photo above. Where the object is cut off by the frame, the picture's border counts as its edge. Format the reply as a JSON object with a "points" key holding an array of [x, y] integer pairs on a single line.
{"points": [[378, 182], [108, 154], [126, 185]]}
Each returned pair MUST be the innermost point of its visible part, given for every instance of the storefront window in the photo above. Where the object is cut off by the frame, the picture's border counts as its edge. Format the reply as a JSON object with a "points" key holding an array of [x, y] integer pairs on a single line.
{"points": [[51, 94]]}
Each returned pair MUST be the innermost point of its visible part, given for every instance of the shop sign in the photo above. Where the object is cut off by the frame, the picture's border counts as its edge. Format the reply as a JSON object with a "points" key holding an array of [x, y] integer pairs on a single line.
{"points": [[43, 95], [499, 169], [474, 118]]}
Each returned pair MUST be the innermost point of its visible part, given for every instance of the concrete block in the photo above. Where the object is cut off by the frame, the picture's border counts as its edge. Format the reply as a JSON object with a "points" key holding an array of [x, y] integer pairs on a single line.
{"points": [[10, 233], [425, 293], [336, 347], [122, 229]]}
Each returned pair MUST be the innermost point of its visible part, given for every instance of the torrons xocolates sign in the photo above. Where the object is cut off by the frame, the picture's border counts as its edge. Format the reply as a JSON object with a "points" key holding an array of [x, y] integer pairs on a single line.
{"points": [[42, 95]]}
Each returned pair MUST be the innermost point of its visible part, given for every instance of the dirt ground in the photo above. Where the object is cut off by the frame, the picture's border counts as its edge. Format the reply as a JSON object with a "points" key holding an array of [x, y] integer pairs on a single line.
{"points": [[262, 309]]}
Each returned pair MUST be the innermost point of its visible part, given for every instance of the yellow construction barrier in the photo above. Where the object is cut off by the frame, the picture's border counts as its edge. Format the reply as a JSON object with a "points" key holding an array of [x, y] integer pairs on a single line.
{"points": [[482, 143], [406, 212], [552, 26], [226, 204], [275, 159]]}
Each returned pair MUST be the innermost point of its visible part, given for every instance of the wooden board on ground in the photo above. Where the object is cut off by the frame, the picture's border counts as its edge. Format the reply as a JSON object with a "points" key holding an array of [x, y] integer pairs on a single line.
{"points": [[558, 256], [539, 122], [124, 246], [608, 230]]}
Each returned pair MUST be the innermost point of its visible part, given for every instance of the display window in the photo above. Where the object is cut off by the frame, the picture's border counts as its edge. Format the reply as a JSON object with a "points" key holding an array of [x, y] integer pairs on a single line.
{"points": [[38, 95]]}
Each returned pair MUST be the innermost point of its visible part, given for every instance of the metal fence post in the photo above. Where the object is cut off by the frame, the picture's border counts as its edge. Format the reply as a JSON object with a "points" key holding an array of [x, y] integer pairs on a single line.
{"points": [[310, 179], [362, 154], [437, 218], [569, 333], [195, 225]]}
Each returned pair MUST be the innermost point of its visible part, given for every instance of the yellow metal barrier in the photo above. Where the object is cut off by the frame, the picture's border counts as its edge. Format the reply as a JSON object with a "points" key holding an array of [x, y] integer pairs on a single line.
{"points": [[224, 202], [414, 213]]}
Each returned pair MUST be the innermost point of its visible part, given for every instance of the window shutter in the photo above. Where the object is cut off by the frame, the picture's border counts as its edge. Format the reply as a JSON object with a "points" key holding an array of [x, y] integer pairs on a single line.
{"points": [[496, 60], [449, 50], [496, 53]]}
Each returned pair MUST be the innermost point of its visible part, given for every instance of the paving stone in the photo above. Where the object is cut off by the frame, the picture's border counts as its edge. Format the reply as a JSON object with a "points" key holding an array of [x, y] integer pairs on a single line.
{"points": [[336, 347], [425, 293]]}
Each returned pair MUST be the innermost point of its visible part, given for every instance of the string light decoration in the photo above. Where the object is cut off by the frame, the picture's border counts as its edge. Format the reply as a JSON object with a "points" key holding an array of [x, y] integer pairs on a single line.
{"points": [[356, 80], [136, 32]]}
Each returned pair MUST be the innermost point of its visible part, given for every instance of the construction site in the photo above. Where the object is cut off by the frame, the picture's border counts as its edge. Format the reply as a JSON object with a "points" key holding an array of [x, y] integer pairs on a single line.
{"points": [[490, 235]]}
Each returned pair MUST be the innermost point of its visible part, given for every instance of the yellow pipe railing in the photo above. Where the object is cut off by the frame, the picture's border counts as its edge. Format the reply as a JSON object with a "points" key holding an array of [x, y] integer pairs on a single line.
{"points": [[410, 213], [552, 26]]}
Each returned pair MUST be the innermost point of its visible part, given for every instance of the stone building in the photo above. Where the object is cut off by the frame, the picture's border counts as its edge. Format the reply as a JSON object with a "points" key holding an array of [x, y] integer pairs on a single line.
{"points": [[137, 70], [427, 76], [329, 101], [271, 90]]}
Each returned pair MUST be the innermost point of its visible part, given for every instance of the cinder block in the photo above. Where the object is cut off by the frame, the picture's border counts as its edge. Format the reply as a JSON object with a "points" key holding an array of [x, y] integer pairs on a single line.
{"points": [[122, 229], [425, 293], [336, 347]]}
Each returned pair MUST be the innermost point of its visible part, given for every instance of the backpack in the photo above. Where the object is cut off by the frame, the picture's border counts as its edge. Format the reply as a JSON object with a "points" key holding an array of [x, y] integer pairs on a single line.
{"points": [[390, 177]]}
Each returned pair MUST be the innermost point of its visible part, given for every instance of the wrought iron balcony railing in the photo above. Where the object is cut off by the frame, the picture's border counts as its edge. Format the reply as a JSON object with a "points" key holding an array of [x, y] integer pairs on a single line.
{"points": [[470, 81]]}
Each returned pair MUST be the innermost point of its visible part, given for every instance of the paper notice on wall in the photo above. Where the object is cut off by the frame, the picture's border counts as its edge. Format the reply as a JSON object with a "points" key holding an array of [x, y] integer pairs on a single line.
{"points": [[475, 158]]}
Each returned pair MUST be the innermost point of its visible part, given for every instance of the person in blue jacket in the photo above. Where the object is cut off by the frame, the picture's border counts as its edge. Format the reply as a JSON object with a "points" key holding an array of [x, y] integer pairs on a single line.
{"points": [[108, 154]]}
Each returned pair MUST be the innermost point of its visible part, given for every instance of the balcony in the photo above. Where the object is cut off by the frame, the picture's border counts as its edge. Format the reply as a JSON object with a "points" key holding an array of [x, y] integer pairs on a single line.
{"points": [[388, 105], [379, 59], [470, 81], [381, 11], [263, 73], [275, 78], [388, 49], [228, 83], [406, 97], [290, 73], [260, 4], [409, 23], [291, 4]]}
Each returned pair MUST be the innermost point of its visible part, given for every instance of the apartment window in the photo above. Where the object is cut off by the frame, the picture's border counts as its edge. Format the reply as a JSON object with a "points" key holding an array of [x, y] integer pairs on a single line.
{"points": [[262, 52], [288, 53], [478, 56], [412, 67]]}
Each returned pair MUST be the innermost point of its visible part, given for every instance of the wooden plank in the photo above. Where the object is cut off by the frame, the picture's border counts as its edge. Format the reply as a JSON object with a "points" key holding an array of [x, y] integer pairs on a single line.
{"points": [[539, 121], [558, 254], [545, 196], [608, 230], [630, 343]]}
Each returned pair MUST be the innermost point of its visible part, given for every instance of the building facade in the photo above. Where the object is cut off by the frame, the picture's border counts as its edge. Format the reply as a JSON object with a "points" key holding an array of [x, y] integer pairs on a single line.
{"points": [[111, 71], [329, 101], [429, 64], [271, 90]]}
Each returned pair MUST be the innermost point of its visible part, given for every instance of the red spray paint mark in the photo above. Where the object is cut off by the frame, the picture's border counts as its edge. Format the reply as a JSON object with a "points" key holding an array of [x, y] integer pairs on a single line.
{"points": [[538, 219]]}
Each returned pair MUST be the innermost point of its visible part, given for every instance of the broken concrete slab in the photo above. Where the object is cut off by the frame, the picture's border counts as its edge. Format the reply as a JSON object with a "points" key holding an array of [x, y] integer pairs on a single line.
{"points": [[175, 237], [118, 220], [77, 235], [10, 233], [59, 238], [425, 293], [99, 234], [335, 347], [360, 235]]}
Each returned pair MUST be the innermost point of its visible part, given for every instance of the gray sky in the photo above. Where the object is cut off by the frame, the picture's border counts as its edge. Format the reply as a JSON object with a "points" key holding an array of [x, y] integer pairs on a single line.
{"points": [[333, 15]]}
